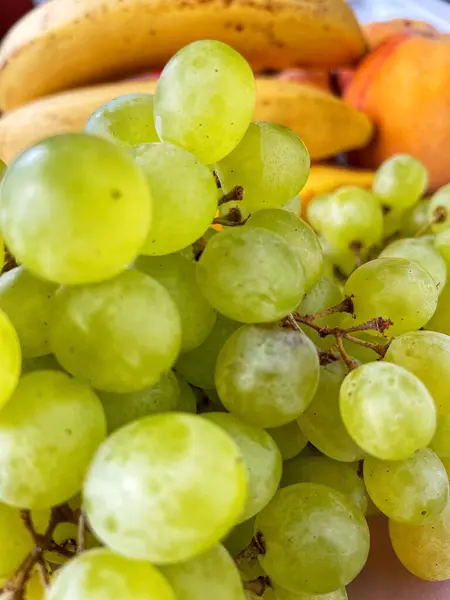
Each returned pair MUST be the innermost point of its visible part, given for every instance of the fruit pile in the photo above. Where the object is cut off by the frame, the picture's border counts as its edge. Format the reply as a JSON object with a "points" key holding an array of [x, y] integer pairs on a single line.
{"points": [[162, 273]]}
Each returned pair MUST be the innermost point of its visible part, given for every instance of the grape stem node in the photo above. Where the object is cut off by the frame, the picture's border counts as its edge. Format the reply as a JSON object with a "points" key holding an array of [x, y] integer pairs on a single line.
{"points": [[236, 194], [257, 586]]}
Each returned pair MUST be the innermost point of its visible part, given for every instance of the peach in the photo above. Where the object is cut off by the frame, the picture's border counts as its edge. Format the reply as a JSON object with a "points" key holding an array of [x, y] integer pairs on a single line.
{"points": [[379, 31]]}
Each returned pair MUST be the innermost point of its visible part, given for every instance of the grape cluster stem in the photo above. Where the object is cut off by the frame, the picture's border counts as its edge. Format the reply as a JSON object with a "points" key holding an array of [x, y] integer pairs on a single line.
{"points": [[258, 586], [439, 216], [236, 195]]}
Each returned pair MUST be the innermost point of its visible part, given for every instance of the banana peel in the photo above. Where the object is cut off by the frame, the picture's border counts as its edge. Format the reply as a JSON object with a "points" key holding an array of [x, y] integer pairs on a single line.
{"points": [[65, 44], [326, 124]]}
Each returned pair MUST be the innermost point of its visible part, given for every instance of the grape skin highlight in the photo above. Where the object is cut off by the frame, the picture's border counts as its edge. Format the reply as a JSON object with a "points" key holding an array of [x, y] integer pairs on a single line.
{"points": [[10, 358]]}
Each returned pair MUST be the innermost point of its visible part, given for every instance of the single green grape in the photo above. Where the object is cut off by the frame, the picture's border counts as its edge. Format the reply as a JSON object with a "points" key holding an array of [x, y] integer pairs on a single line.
{"points": [[178, 276], [126, 120], [424, 549], [184, 197], [400, 181], [315, 540], [75, 209], [334, 474], [392, 223], [267, 375], [187, 401], [27, 301], [289, 438], [413, 491], [439, 210], [341, 263], [49, 431], [119, 335], [15, 540], [251, 275], [10, 358], [299, 236], [99, 574], [427, 355], [198, 365], [423, 252], [240, 537], [415, 219], [271, 163], [41, 363], [212, 575], [321, 422], [280, 593], [395, 289], [387, 410], [442, 244], [66, 535], [440, 321], [316, 210], [154, 490], [261, 456], [211, 123], [440, 444]]}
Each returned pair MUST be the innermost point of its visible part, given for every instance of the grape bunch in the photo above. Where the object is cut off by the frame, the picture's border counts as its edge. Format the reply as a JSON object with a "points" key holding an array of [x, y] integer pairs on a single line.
{"points": [[202, 395]]}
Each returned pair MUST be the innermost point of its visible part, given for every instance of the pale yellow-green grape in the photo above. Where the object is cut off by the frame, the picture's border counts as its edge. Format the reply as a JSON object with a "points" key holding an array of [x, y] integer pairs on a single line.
{"points": [[99, 574], [178, 276], [119, 335], [15, 540], [362, 353], [387, 410], [427, 355], [344, 262], [280, 593], [424, 549], [184, 195], [395, 289], [127, 120], [240, 537], [271, 163], [440, 444], [321, 422], [10, 358], [49, 431], [299, 236], [324, 470], [261, 456], [267, 375], [440, 321], [75, 209], [27, 301], [41, 363], [413, 491], [66, 535], [187, 401], [442, 243], [211, 123], [316, 210], [211, 576], [422, 251], [439, 210], [121, 409], [325, 294], [166, 488], [315, 540], [415, 219], [392, 223], [198, 365], [289, 438], [400, 181], [251, 275]]}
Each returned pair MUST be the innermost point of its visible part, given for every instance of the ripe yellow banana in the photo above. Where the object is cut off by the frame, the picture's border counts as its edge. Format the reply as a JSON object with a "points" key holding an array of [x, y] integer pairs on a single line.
{"points": [[325, 123], [69, 43]]}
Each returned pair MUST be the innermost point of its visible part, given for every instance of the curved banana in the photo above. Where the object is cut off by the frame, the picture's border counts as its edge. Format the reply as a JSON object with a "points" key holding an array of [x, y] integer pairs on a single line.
{"points": [[69, 43]]}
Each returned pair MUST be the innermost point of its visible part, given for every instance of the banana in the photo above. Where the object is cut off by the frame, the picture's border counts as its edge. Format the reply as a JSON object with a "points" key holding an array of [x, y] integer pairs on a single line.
{"points": [[325, 123], [70, 43]]}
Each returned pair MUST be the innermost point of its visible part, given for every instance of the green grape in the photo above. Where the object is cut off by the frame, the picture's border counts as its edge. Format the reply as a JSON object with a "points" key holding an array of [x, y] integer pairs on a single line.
{"points": [[178, 276], [442, 243], [184, 197], [299, 236], [10, 358], [439, 210], [321, 422], [387, 410], [325, 294], [15, 540], [424, 549], [27, 301], [344, 262], [187, 401], [99, 574], [155, 491], [283, 594], [426, 354], [75, 209], [413, 491], [211, 123], [66, 535], [240, 537], [198, 366], [400, 181], [422, 251], [49, 431], [315, 540], [271, 163], [415, 219], [261, 456], [121, 409], [251, 275], [395, 289], [41, 363], [289, 438], [212, 575], [316, 210], [392, 223], [440, 444], [294, 205], [119, 335], [334, 474], [440, 321], [127, 120], [267, 375]]}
